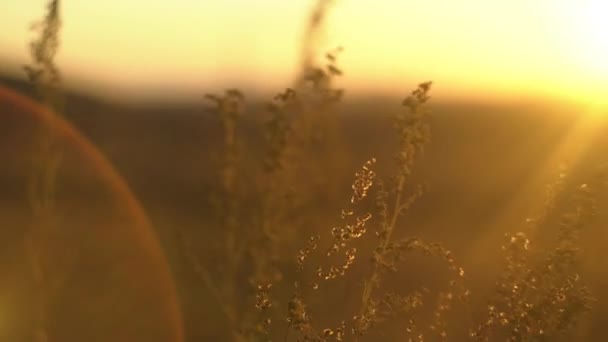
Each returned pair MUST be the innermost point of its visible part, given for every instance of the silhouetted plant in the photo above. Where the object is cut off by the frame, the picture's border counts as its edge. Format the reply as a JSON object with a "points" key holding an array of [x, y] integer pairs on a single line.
{"points": [[41, 238]]}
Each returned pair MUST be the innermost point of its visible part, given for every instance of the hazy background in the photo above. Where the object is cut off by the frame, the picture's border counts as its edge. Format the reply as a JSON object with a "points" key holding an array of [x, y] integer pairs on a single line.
{"points": [[471, 48]]}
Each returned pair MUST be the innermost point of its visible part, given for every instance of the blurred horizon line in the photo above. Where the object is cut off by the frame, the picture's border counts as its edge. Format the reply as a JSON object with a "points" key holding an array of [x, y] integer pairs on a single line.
{"points": [[185, 93]]}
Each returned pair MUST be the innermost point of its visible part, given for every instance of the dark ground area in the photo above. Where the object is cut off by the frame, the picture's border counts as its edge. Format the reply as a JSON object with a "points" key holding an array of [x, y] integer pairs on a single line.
{"points": [[486, 170]]}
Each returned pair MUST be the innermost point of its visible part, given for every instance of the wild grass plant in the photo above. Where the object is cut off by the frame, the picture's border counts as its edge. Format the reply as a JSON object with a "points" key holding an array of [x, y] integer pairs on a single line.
{"points": [[537, 298], [41, 237], [271, 273]]}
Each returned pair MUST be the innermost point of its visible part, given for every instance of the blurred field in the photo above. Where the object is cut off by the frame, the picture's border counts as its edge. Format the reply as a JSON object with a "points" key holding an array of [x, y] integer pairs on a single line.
{"points": [[486, 170]]}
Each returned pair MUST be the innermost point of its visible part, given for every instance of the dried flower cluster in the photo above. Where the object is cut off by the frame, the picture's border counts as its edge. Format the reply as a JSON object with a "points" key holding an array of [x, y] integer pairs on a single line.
{"points": [[298, 314], [542, 298]]}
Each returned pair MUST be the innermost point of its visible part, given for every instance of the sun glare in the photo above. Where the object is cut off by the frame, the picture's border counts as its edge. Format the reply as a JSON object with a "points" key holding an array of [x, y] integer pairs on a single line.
{"points": [[593, 33], [586, 31]]}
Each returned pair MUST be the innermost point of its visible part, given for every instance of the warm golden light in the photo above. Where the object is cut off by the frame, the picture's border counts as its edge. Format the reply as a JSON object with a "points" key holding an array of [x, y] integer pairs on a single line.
{"points": [[592, 34], [584, 48], [485, 49]]}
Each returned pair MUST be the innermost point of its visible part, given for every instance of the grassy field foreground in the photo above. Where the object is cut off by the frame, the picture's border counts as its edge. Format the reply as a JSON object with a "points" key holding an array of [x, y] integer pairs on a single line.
{"points": [[310, 216]]}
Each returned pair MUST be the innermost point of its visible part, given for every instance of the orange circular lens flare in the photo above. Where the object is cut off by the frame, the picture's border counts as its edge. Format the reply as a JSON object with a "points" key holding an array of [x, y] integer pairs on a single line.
{"points": [[93, 270]]}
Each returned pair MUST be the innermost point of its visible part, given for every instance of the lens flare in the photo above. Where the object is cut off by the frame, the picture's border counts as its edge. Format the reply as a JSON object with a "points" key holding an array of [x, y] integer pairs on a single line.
{"points": [[106, 277]]}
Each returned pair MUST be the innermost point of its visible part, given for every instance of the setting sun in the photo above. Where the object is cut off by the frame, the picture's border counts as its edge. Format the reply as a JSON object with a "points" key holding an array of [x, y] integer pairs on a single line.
{"points": [[584, 46], [592, 32]]}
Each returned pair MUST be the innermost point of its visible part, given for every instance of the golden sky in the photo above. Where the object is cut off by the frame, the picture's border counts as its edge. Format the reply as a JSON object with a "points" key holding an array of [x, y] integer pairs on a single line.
{"points": [[505, 48]]}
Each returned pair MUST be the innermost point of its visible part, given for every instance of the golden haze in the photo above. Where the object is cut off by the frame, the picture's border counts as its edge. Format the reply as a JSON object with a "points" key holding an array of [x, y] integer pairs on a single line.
{"points": [[469, 48]]}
